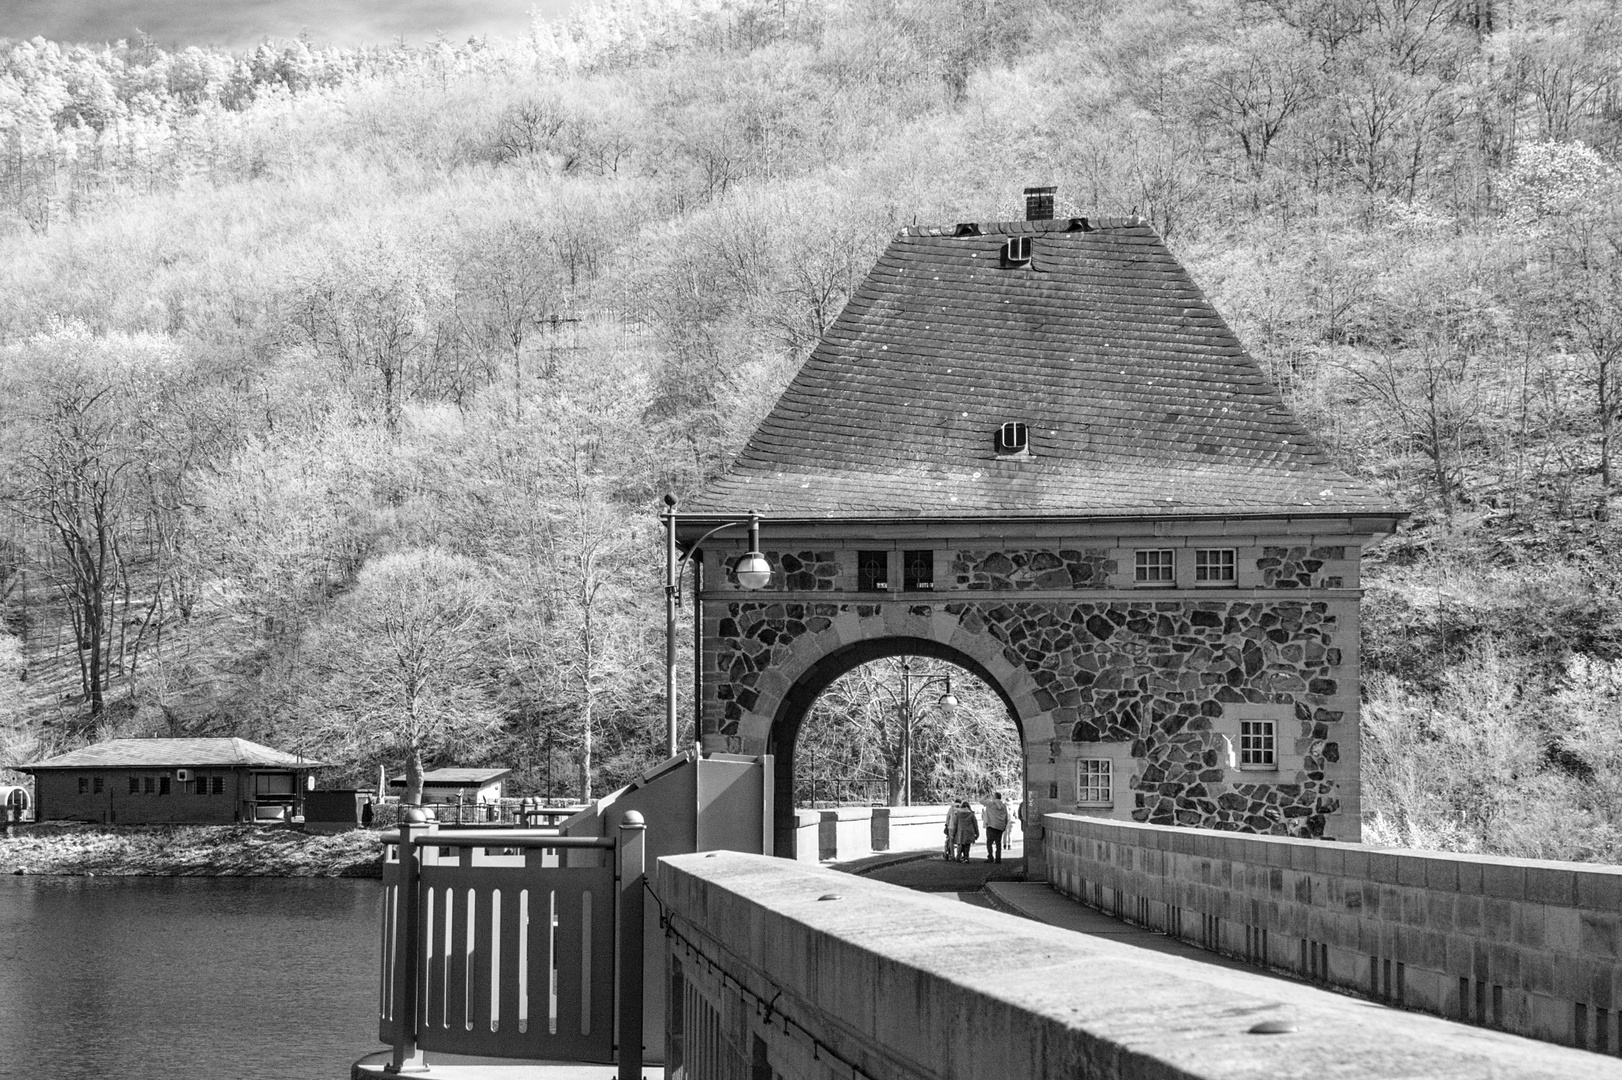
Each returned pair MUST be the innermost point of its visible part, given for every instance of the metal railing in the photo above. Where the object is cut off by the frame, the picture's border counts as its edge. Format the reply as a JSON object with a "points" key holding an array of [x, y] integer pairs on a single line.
{"points": [[502, 943]]}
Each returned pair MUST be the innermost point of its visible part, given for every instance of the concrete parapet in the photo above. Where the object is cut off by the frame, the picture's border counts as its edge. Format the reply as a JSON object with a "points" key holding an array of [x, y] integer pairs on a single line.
{"points": [[804, 973], [807, 836], [909, 828], [1521, 945], [846, 833]]}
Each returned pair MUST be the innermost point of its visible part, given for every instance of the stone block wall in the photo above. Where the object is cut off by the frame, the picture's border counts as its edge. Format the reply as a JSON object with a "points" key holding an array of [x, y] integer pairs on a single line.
{"points": [[1519, 945], [804, 973]]}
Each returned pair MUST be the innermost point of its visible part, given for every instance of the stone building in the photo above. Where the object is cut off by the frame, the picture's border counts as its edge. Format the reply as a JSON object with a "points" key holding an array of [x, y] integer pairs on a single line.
{"points": [[171, 781], [1034, 449]]}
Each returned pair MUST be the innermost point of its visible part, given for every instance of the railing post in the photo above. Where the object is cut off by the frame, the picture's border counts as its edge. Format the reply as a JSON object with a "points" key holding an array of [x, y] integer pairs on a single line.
{"points": [[408, 946], [632, 852]]}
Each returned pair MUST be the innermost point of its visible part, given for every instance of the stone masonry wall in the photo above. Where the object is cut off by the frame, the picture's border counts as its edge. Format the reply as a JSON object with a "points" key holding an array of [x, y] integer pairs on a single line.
{"points": [[1009, 571], [1520, 945], [1152, 673]]}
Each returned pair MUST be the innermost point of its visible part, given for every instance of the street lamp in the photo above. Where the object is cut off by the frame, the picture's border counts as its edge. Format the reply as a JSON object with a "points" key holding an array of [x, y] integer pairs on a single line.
{"points": [[752, 570], [907, 705]]}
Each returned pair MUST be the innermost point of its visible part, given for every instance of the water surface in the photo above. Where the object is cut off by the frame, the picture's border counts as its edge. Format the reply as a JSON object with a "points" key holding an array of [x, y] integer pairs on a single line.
{"points": [[224, 978]]}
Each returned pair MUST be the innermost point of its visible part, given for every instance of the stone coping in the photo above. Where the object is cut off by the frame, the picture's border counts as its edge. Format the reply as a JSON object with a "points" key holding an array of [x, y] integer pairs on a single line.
{"points": [[1587, 885], [871, 970]]}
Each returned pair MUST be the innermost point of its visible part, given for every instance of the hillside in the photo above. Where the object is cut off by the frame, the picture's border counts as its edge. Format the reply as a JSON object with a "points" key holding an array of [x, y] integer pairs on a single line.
{"points": [[302, 346]]}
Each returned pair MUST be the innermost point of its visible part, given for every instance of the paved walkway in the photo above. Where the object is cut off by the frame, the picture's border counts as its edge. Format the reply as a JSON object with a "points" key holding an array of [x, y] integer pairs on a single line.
{"points": [[999, 886]]}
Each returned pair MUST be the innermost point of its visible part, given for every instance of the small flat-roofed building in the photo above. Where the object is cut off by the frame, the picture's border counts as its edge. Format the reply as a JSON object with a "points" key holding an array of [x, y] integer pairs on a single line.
{"points": [[171, 781], [457, 785]]}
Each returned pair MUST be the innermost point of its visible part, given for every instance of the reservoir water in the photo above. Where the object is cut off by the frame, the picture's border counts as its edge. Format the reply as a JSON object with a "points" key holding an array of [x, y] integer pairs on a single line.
{"points": [[225, 978]]}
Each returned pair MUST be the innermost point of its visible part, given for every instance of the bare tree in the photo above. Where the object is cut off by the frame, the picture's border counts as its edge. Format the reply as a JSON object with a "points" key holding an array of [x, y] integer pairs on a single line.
{"points": [[399, 663], [73, 477]]}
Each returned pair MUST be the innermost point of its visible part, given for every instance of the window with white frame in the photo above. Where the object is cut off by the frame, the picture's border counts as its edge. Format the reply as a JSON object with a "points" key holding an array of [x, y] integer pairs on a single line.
{"points": [[1094, 782], [1155, 566], [1258, 744], [1213, 566]]}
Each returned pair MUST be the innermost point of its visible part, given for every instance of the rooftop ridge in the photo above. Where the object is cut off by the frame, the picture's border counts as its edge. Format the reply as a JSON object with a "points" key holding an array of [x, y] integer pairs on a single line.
{"points": [[1020, 227]]}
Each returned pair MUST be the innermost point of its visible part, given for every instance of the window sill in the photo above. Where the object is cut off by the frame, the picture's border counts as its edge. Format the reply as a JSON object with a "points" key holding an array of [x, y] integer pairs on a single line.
{"points": [[1258, 768], [1216, 585], [1154, 584], [1095, 806]]}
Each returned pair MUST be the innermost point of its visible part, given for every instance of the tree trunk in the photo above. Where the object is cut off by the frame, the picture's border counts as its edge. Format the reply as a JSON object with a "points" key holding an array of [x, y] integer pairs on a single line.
{"points": [[413, 777], [893, 782]]}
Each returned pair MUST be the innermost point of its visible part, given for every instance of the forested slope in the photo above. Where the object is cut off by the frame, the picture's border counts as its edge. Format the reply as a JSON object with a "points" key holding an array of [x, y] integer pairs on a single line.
{"points": [[338, 388]]}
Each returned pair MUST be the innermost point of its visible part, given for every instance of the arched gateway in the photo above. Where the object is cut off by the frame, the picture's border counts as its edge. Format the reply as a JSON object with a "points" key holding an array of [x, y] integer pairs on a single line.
{"points": [[1034, 449]]}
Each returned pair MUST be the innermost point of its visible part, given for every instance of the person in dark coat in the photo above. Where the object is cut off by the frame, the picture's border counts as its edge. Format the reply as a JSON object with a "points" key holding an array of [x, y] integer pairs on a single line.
{"points": [[965, 829]]}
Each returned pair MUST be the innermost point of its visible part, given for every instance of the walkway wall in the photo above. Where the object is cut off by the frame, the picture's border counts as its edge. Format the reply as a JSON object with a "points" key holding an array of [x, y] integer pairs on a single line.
{"points": [[852, 832], [803, 973], [1521, 945]]}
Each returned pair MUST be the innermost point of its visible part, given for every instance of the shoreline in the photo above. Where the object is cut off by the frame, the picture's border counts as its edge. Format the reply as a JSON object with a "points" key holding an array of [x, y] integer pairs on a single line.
{"points": [[70, 849]]}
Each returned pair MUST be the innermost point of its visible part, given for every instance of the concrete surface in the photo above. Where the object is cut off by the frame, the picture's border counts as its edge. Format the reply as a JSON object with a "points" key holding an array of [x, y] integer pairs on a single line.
{"points": [[903, 983], [1528, 946]]}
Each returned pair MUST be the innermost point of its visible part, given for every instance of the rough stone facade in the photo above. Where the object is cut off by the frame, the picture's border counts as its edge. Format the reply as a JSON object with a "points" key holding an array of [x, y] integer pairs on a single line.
{"points": [[1005, 571], [1299, 567], [807, 571], [1154, 678]]}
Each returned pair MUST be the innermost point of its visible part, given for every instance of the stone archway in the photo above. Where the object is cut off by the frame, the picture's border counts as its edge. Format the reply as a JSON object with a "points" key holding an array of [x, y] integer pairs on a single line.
{"points": [[795, 705]]}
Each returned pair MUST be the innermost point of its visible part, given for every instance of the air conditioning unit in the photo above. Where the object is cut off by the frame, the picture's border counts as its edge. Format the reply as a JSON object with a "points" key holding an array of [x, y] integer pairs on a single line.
{"points": [[182, 775]]}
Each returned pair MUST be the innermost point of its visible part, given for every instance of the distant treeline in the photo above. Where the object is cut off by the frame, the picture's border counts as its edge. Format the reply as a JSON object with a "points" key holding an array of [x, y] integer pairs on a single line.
{"points": [[338, 388]]}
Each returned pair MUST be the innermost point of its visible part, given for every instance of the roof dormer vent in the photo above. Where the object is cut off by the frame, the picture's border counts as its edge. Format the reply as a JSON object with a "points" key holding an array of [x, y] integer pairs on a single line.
{"points": [[1016, 251], [1013, 440]]}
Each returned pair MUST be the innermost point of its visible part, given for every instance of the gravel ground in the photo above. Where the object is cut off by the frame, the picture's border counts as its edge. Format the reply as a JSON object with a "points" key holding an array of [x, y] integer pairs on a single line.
{"points": [[190, 850]]}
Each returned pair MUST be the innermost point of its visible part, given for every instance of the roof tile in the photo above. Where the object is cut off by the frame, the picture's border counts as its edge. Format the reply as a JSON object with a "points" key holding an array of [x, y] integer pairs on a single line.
{"points": [[1139, 398]]}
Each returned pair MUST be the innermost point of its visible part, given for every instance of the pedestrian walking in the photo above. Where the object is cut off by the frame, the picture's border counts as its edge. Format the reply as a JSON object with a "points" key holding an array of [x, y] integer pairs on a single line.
{"points": [[996, 825], [951, 831], [966, 830]]}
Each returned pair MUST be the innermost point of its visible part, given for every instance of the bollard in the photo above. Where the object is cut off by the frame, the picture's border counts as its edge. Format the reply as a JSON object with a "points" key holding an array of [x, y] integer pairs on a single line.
{"points": [[407, 1058], [632, 853]]}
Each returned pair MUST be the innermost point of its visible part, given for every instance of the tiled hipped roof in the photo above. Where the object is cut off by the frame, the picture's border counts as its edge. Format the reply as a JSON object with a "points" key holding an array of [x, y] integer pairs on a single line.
{"points": [[1138, 397], [171, 753]]}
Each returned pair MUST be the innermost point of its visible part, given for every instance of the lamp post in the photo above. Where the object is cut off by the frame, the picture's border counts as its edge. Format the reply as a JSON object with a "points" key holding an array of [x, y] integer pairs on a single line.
{"points": [[907, 706], [752, 570]]}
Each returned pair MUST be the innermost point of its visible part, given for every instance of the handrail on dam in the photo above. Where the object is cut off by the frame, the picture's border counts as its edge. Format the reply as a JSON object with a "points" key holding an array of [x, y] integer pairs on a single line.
{"points": [[501, 943]]}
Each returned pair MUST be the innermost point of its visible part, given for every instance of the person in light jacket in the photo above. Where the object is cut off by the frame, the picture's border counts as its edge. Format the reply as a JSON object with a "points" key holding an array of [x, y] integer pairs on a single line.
{"points": [[996, 825], [965, 829], [951, 831]]}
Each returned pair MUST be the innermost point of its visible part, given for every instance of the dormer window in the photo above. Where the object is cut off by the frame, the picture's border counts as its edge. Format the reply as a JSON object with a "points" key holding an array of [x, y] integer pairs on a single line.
{"points": [[1013, 438], [1016, 251]]}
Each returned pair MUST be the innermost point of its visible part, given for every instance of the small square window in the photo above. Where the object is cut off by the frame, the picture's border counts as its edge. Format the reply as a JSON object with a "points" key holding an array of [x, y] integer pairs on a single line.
{"points": [[96, 784], [202, 785], [917, 570], [1156, 566], [1213, 566], [151, 784], [84, 785], [163, 785], [1258, 744], [1094, 785], [135, 785], [219, 785], [872, 571]]}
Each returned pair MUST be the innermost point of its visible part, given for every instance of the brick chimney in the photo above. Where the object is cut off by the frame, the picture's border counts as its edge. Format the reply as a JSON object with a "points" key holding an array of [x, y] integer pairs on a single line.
{"points": [[1039, 203]]}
